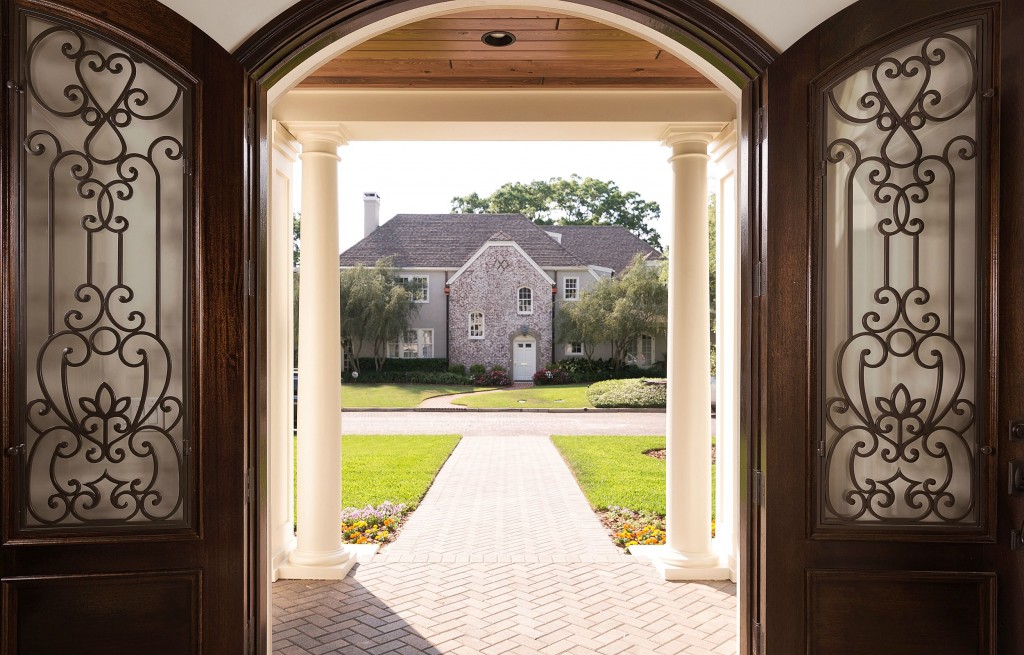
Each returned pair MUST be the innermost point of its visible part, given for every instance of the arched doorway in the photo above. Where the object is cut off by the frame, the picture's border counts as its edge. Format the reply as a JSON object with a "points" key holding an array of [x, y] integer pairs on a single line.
{"points": [[302, 41]]}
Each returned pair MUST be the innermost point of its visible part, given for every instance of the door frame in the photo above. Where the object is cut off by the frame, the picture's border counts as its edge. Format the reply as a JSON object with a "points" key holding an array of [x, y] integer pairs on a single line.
{"points": [[724, 41]]}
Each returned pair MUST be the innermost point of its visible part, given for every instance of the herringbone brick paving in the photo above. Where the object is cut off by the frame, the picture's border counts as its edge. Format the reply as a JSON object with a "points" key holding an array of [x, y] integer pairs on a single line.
{"points": [[503, 557]]}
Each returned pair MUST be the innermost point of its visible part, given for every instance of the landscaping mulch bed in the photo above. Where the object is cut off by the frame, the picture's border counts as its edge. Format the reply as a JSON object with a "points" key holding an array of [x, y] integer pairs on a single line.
{"points": [[630, 528], [660, 453]]}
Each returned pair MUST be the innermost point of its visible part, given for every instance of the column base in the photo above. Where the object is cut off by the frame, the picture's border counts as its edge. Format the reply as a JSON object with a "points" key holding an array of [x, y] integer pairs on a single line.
{"points": [[330, 566], [675, 566]]}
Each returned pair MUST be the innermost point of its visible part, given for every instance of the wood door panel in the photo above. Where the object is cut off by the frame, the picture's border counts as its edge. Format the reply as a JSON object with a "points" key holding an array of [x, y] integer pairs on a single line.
{"points": [[177, 586], [151, 613], [851, 612], [838, 583]]}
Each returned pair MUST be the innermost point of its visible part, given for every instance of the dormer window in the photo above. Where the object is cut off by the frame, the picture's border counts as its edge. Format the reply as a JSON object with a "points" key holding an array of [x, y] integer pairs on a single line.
{"points": [[525, 300]]}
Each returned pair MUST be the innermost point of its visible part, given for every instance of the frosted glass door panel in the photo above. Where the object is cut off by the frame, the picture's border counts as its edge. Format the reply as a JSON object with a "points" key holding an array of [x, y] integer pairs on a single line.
{"points": [[900, 291], [105, 219]]}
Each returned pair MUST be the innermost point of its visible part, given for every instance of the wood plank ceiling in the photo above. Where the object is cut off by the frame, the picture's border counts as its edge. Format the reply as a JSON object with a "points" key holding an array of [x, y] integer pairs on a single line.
{"points": [[550, 51]]}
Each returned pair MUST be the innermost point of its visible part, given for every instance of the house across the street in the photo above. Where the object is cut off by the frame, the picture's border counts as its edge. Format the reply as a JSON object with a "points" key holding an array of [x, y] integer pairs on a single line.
{"points": [[490, 286]]}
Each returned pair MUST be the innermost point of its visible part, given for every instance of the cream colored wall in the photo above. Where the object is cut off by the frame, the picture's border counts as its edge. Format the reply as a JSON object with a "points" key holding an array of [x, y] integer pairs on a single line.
{"points": [[280, 346]]}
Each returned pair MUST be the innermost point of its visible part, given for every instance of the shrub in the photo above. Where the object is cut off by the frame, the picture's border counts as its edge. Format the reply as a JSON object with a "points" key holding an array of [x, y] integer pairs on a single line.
{"points": [[627, 393], [477, 369], [549, 376], [457, 369], [498, 368], [593, 370], [498, 377]]}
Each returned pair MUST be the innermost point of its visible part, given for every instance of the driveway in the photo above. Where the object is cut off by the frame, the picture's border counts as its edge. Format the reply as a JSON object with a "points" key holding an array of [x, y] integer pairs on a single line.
{"points": [[506, 424]]}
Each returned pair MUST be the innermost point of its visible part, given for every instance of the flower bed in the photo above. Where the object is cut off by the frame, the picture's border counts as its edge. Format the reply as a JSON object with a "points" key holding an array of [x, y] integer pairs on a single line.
{"points": [[371, 524], [630, 528]]}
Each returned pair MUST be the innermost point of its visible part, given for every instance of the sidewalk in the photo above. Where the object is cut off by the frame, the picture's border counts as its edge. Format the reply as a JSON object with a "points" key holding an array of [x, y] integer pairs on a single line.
{"points": [[445, 402], [503, 556]]}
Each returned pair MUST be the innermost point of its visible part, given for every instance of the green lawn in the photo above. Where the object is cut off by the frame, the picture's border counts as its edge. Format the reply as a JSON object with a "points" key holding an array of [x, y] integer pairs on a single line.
{"points": [[396, 395], [612, 470], [566, 396], [399, 468]]}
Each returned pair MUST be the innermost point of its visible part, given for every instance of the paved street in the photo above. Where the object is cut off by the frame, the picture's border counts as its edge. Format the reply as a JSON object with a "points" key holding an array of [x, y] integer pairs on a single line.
{"points": [[511, 424], [504, 556]]}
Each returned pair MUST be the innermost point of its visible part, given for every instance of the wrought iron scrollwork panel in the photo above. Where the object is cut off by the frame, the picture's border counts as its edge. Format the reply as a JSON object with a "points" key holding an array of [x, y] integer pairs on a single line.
{"points": [[105, 208], [899, 294]]}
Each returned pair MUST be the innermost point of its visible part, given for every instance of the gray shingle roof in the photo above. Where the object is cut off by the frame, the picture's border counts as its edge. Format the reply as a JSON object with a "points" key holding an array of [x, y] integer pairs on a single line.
{"points": [[449, 240], [610, 246]]}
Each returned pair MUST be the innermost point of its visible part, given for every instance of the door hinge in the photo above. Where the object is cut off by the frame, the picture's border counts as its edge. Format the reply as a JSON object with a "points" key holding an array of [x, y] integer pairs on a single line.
{"points": [[250, 279], [762, 125], [821, 448], [758, 488], [250, 122], [757, 639], [250, 473], [759, 282]]}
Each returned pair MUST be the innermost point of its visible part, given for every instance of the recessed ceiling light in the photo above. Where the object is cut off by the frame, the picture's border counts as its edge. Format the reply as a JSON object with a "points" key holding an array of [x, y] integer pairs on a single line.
{"points": [[498, 39]]}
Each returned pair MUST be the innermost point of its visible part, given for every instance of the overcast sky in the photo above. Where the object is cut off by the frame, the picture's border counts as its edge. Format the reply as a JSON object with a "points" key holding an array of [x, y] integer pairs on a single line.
{"points": [[423, 177]]}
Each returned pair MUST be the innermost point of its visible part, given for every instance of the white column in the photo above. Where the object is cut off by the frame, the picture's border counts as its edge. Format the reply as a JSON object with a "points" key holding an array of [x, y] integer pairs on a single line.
{"points": [[319, 553], [687, 554]]}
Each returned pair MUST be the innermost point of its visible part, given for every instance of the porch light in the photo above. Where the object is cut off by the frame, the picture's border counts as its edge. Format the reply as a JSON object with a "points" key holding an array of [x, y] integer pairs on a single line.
{"points": [[524, 329], [554, 289], [498, 39], [447, 289]]}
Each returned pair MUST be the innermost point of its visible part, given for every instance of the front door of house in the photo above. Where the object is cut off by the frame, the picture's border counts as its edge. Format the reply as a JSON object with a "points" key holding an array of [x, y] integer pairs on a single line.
{"points": [[123, 363], [524, 359], [891, 438]]}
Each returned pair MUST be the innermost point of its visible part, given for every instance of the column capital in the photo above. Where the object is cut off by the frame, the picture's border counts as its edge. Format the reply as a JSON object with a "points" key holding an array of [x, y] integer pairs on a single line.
{"points": [[317, 136], [693, 133]]}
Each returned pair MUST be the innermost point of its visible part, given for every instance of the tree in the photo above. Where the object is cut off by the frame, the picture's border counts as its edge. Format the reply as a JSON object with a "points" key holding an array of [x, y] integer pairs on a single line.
{"points": [[618, 310], [376, 309], [574, 201]]}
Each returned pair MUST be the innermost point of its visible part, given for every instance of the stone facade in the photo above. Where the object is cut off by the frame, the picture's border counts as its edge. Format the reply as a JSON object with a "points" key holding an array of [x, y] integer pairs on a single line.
{"points": [[491, 284]]}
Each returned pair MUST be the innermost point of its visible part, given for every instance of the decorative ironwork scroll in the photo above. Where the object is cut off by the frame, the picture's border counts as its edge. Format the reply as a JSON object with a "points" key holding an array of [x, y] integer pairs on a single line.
{"points": [[104, 206], [900, 298]]}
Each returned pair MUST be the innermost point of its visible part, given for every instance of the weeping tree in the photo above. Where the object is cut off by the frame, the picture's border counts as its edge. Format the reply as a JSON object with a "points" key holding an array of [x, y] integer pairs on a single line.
{"points": [[618, 310], [376, 310]]}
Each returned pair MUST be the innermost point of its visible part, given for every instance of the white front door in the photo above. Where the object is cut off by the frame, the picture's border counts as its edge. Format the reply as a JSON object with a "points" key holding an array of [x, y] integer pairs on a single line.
{"points": [[524, 359]]}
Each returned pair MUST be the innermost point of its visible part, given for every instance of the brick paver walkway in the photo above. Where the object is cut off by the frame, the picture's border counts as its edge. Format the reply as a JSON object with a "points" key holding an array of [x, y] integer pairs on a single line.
{"points": [[503, 556]]}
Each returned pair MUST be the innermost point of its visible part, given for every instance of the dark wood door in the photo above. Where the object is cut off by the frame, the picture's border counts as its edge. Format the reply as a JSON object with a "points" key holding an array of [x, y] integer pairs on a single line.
{"points": [[123, 325], [893, 350]]}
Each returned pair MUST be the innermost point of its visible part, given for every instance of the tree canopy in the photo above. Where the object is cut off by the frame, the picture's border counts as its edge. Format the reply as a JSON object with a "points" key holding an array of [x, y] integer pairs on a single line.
{"points": [[376, 309], [617, 310], [574, 201]]}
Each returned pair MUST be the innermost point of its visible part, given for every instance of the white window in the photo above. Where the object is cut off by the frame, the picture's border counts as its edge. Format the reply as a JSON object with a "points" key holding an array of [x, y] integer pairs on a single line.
{"points": [[574, 348], [525, 300], [641, 353], [417, 343], [571, 288], [476, 325], [417, 286]]}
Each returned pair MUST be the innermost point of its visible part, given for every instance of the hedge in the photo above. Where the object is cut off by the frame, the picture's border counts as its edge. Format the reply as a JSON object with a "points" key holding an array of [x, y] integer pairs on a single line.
{"points": [[627, 393], [399, 365], [408, 377], [593, 370]]}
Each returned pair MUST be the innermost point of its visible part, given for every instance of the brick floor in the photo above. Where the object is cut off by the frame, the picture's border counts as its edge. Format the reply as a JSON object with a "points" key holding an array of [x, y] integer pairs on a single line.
{"points": [[503, 557]]}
